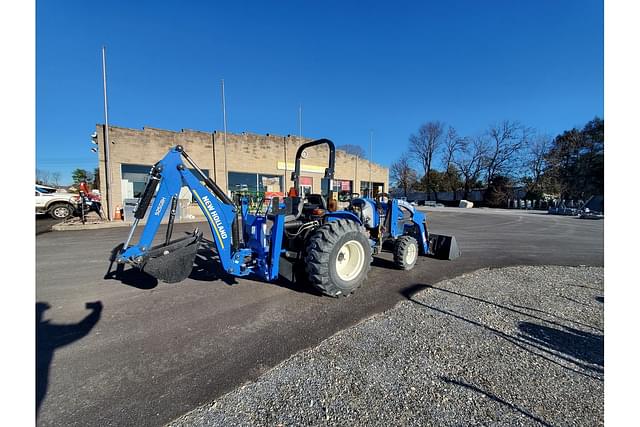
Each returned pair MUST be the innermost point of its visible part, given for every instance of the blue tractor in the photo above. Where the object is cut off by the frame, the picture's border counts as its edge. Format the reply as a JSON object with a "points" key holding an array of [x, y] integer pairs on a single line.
{"points": [[301, 237]]}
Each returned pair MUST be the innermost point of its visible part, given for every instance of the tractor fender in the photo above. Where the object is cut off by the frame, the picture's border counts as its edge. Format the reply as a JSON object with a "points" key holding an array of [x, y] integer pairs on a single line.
{"points": [[406, 205], [333, 216]]}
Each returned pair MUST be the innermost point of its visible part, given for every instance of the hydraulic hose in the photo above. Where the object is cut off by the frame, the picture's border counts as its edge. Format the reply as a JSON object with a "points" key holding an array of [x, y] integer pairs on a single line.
{"points": [[149, 191]]}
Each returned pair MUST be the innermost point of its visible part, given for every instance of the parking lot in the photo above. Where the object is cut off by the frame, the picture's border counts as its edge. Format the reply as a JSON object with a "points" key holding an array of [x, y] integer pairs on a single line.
{"points": [[149, 352], [44, 223]]}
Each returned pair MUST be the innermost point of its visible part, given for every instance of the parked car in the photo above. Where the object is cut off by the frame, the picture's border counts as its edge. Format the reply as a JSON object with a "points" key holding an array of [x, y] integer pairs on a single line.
{"points": [[57, 203]]}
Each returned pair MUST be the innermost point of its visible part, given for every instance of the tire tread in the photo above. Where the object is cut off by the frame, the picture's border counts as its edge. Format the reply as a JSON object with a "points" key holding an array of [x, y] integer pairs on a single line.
{"points": [[319, 248], [402, 243]]}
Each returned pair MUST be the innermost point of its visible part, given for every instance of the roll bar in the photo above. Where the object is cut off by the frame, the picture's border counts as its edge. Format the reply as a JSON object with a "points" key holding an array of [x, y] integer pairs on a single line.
{"points": [[328, 173]]}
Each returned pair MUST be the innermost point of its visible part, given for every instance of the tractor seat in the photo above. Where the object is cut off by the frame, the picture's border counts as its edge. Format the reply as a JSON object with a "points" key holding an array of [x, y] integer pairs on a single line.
{"points": [[315, 201], [296, 207]]}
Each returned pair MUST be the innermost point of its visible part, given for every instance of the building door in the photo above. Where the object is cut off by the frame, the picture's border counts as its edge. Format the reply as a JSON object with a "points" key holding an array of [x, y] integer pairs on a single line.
{"points": [[378, 187]]}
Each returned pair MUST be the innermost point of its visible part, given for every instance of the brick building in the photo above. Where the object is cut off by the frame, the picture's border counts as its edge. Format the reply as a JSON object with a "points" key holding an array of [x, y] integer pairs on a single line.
{"points": [[254, 163]]}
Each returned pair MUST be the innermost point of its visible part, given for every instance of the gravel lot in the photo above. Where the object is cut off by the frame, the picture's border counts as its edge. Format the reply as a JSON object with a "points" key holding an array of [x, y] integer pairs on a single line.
{"points": [[512, 346]]}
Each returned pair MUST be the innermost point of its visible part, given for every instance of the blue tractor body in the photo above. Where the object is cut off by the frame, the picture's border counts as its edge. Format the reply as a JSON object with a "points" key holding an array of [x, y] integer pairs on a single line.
{"points": [[296, 238]]}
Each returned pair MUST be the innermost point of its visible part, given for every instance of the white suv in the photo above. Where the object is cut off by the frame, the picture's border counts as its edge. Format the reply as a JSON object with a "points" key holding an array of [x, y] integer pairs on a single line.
{"points": [[57, 203]]}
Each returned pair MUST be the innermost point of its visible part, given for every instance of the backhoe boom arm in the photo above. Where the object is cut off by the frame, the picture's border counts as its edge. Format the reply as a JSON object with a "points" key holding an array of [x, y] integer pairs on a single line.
{"points": [[172, 175]]}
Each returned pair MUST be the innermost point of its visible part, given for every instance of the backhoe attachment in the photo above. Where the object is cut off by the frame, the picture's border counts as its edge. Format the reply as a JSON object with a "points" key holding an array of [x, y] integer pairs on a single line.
{"points": [[172, 261]]}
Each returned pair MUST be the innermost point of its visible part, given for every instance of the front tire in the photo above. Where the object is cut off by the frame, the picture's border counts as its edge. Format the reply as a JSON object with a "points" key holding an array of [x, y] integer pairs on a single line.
{"points": [[405, 252], [61, 211], [338, 258]]}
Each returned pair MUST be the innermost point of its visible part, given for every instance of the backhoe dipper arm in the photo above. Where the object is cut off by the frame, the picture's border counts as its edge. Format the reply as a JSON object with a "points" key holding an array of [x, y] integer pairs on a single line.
{"points": [[171, 174]]}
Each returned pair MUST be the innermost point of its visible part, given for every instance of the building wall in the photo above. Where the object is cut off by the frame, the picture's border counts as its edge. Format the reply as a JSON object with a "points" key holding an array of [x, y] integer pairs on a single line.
{"points": [[245, 152]]}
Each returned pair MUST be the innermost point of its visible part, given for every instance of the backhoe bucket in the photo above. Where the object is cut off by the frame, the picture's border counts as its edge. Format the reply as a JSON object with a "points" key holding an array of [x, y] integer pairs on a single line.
{"points": [[173, 263], [443, 247]]}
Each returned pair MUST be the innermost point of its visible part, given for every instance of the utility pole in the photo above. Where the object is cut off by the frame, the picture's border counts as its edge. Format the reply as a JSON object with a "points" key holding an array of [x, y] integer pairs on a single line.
{"points": [[370, 159], [300, 120], [107, 159], [355, 177], [224, 124], [286, 183]]}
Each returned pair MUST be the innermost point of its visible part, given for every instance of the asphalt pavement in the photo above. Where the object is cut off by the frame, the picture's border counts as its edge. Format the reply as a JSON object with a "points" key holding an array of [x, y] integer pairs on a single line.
{"points": [[44, 223], [148, 353]]}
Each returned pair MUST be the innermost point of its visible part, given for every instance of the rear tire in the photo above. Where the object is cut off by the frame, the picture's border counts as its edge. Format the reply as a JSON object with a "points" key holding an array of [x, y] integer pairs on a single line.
{"points": [[61, 211], [405, 252], [338, 257]]}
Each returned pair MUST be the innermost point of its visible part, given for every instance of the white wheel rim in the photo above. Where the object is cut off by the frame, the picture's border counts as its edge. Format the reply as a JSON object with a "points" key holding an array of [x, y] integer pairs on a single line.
{"points": [[412, 254], [60, 212], [350, 260]]}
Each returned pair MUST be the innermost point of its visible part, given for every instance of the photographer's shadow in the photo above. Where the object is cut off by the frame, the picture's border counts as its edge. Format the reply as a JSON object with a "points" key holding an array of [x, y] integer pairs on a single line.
{"points": [[50, 337]]}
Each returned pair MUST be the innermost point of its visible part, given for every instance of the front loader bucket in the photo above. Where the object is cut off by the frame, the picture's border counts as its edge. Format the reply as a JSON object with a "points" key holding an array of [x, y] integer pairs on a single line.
{"points": [[173, 263], [443, 247]]}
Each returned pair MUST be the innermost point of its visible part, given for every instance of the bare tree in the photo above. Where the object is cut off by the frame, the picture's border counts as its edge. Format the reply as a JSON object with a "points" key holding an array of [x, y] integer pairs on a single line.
{"points": [[537, 161], [505, 142], [42, 176], [402, 174], [356, 150], [470, 163], [453, 144], [425, 144], [55, 178]]}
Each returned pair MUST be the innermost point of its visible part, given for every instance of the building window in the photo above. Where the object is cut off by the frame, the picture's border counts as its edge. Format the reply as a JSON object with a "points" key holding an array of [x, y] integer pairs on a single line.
{"points": [[254, 183], [134, 179], [306, 185], [378, 187], [270, 183], [240, 182], [343, 188]]}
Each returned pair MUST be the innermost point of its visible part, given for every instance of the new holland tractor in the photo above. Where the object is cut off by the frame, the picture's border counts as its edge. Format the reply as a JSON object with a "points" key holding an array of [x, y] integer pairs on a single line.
{"points": [[301, 237]]}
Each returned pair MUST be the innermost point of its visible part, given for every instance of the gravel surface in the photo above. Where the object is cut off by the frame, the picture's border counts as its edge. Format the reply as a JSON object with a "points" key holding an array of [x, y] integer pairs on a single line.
{"points": [[511, 346]]}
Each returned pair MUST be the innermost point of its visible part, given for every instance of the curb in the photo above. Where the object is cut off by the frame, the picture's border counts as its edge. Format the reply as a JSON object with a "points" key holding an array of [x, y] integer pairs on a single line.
{"points": [[112, 224]]}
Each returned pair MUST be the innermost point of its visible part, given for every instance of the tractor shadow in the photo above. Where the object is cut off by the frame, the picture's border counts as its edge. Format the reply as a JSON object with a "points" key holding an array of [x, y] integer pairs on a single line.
{"points": [[379, 261], [128, 276], [298, 286], [578, 345], [206, 268], [495, 398], [553, 340]]}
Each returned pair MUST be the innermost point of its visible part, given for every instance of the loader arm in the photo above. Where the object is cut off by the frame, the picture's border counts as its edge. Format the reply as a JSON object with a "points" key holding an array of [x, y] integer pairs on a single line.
{"points": [[170, 175]]}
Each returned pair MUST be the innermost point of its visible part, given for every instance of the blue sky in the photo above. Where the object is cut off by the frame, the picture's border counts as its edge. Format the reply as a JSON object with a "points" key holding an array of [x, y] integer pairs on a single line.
{"points": [[355, 67]]}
